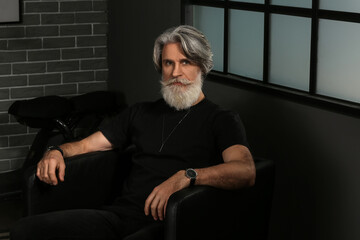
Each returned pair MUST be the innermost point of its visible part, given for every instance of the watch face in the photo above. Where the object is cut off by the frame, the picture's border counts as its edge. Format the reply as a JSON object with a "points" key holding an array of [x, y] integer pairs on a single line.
{"points": [[191, 173]]}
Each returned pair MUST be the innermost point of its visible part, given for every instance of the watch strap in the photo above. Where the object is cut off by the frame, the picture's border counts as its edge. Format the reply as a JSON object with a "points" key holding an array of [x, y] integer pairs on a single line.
{"points": [[56, 148], [192, 181]]}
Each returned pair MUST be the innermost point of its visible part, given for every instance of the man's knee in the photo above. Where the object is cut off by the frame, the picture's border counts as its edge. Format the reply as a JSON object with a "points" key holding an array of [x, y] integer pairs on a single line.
{"points": [[35, 227], [24, 229]]}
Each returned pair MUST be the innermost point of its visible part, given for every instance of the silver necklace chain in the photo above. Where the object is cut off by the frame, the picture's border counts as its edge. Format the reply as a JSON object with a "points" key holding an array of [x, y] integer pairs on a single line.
{"points": [[163, 141]]}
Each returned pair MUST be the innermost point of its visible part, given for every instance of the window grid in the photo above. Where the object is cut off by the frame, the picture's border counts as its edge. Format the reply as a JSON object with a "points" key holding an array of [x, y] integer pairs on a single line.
{"points": [[314, 46], [267, 8]]}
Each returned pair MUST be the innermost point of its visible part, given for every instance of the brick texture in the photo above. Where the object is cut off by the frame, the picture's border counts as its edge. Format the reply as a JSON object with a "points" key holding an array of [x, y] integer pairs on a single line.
{"points": [[58, 48]]}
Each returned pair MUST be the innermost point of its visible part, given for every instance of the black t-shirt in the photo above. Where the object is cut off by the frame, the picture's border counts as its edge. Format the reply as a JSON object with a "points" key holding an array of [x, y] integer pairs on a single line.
{"points": [[192, 138]]}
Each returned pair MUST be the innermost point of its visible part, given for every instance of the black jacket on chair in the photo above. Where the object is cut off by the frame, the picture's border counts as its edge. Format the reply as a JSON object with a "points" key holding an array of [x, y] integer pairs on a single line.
{"points": [[198, 212]]}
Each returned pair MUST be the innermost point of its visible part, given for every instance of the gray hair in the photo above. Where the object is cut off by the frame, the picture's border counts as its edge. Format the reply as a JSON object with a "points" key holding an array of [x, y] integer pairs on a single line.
{"points": [[194, 44]]}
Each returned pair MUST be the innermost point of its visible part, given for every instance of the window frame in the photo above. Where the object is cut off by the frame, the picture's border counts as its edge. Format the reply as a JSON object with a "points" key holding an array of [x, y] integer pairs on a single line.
{"points": [[314, 14]]}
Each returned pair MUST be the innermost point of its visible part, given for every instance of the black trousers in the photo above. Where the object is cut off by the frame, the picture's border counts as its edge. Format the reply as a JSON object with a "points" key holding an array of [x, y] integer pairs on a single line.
{"points": [[78, 224]]}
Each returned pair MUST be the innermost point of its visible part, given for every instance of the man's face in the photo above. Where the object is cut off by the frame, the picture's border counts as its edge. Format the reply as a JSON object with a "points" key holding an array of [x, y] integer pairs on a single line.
{"points": [[181, 78], [175, 65]]}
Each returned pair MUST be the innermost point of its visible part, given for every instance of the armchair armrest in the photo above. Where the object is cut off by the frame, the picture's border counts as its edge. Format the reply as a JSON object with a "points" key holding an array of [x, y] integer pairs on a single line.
{"points": [[90, 181], [203, 212]]}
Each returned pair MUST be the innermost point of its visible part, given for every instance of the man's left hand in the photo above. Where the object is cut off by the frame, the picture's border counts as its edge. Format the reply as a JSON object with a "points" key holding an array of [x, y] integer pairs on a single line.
{"points": [[157, 201]]}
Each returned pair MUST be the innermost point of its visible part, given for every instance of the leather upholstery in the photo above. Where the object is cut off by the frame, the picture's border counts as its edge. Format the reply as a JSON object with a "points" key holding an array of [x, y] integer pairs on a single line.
{"points": [[198, 212]]}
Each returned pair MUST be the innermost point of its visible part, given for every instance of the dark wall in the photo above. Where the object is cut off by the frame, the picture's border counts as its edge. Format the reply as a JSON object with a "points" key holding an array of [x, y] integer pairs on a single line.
{"points": [[317, 155], [134, 26], [317, 152]]}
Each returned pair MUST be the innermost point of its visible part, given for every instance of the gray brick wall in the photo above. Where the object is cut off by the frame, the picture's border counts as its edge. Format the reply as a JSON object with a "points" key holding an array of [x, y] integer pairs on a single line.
{"points": [[58, 48]]}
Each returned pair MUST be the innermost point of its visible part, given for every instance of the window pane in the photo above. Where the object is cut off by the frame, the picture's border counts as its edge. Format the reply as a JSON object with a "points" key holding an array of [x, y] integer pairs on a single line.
{"points": [[290, 51], [250, 1], [338, 60], [9, 11], [246, 43], [297, 3], [343, 5], [210, 21]]}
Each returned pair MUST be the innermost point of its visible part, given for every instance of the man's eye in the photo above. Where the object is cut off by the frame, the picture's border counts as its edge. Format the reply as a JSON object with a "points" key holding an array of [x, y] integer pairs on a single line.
{"points": [[168, 63], [185, 62]]}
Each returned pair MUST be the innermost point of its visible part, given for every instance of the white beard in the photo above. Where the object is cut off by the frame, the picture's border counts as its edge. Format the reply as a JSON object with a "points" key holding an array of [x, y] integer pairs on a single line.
{"points": [[181, 97]]}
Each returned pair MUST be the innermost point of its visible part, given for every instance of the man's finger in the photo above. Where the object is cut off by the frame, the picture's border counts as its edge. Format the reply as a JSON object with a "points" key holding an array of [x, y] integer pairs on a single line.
{"points": [[52, 173], [44, 173], [154, 207], [38, 172], [166, 202], [160, 210], [148, 203], [62, 172]]}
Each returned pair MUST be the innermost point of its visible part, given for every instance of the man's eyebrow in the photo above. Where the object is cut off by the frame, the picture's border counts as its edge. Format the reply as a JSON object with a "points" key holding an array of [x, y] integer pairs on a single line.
{"points": [[166, 59], [181, 59], [187, 59]]}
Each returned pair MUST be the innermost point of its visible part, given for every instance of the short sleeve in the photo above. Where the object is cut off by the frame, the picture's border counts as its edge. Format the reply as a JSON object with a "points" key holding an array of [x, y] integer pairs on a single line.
{"points": [[229, 130], [116, 129]]}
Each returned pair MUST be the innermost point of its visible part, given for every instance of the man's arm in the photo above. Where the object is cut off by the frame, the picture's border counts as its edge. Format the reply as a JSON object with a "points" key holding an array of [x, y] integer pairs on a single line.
{"points": [[238, 170], [53, 161]]}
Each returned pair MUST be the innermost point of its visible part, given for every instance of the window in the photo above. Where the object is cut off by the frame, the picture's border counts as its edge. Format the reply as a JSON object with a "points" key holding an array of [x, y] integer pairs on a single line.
{"points": [[9, 11], [308, 49]]}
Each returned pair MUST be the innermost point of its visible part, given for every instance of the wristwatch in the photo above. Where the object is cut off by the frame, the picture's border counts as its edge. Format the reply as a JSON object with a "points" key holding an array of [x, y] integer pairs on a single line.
{"points": [[55, 148], [191, 174]]}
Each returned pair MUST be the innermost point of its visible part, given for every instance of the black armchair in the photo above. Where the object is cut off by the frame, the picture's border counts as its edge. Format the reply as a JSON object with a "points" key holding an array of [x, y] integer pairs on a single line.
{"points": [[199, 212]]}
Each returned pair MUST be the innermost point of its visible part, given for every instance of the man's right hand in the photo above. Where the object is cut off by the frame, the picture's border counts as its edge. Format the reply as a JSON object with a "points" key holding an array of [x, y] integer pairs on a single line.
{"points": [[51, 163]]}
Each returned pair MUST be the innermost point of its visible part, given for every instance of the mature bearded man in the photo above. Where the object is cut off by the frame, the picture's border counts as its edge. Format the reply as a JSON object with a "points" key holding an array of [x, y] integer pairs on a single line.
{"points": [[181, 140], [181, 80]]}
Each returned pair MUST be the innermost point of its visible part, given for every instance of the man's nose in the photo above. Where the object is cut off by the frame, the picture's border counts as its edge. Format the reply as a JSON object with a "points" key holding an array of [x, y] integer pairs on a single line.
{"points": [[177, 71]]}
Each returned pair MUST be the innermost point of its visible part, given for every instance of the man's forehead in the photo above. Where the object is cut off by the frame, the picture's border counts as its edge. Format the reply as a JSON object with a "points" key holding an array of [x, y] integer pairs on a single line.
{"points": [[173, 50]]}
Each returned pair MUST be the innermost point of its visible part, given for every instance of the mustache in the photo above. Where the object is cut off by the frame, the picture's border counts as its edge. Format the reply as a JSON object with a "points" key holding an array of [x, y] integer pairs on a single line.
{"points": [[176, 80]]}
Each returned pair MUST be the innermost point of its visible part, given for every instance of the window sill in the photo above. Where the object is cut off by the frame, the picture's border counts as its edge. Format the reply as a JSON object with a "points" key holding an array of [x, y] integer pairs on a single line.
{"points": [[328, 103]]}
